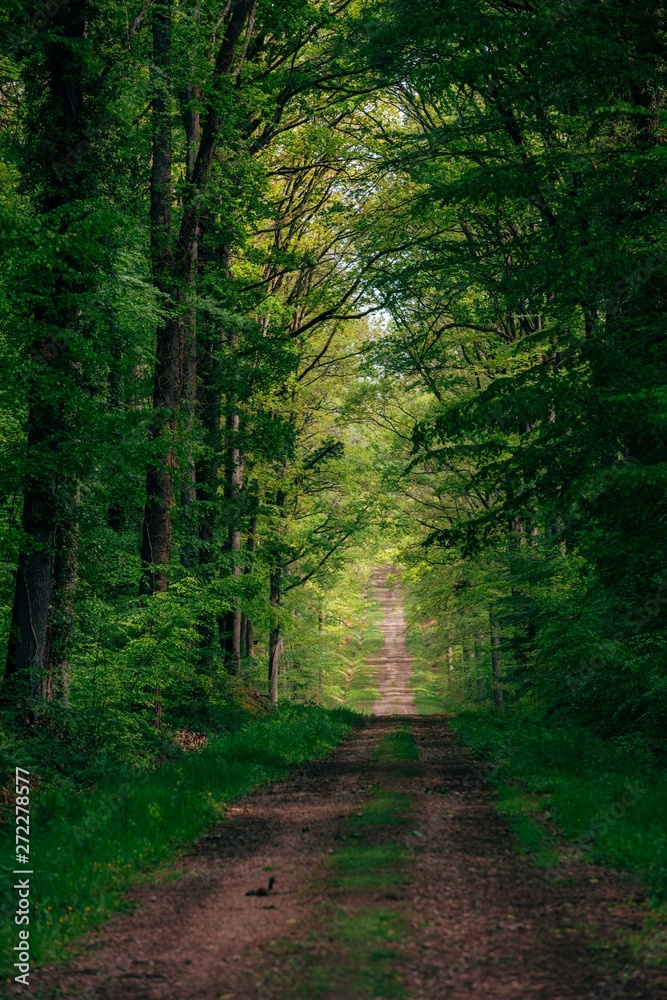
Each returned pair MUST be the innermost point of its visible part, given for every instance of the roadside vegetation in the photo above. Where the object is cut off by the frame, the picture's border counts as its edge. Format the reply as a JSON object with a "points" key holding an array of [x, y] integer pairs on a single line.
{"points": [[559, 782], [90, 844], [609, 797]]}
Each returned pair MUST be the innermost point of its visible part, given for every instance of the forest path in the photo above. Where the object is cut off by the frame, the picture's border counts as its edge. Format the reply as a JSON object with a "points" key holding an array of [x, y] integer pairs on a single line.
{"points": [[395, 878], [393, 662]]}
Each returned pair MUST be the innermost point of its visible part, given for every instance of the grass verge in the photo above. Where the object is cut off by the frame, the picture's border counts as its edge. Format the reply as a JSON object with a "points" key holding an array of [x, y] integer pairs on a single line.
{"points": [[87, 849], [430, 680], [362, 691], [608, 797]]}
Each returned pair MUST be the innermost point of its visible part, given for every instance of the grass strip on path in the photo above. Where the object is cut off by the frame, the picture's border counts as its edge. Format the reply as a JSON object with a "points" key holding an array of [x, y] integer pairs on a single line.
{"points": [[355, 950]]}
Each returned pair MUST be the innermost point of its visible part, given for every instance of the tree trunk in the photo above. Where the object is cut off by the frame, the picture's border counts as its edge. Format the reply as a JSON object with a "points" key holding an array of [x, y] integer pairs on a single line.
{"points": [[189, 513], [244, 635], [157, 522], [247, 640], [207, 467], [234, 487], [467, 656], [496, 671], [275, 639], [24, 671], [188, 405], [175, 274], [189, 346], [240, 18], [55, 174], [210, 415], [237, 470], [60, 629], [156, 534], [157, 706]]}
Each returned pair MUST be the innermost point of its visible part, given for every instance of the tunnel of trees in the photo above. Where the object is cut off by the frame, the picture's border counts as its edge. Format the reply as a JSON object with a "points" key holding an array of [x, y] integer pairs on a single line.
{"points": [[292, 289]]}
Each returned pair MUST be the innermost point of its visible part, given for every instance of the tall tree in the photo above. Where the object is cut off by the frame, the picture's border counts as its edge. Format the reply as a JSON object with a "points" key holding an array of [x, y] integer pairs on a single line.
{"points": [[174, 265], [61, 108]]}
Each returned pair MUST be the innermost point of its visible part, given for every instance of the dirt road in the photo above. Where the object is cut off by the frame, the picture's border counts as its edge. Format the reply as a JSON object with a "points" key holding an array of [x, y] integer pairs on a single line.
{"points": [[395, 878], [393, 661]]}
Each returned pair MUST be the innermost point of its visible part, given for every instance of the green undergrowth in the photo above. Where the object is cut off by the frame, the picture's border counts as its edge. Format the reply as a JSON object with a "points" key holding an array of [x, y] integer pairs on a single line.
{"points": [[427, 690], [362, 692], [532, 837], [429, 681], [608, 797], [87, 848]]}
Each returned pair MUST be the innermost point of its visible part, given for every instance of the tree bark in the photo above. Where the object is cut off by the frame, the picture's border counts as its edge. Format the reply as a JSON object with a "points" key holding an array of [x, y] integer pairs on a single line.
{"points": [[60, 629], [174, 272], [32, 592], [241, 13], [56, 174], [275, 598], [496, 667], [191, 121], [247, 641], [275, 638], [157, 522], [202, 137], [188, 407], [210, 415], [234, 488]]}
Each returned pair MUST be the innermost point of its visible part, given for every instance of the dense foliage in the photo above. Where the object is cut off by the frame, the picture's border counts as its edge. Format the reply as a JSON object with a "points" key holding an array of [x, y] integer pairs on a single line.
{"points": [[288, 285], [182, 305], [527, 345]]}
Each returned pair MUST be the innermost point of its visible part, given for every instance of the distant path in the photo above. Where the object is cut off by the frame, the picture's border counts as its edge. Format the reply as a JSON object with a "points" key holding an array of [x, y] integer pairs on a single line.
{"points": [[394, 663]]}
